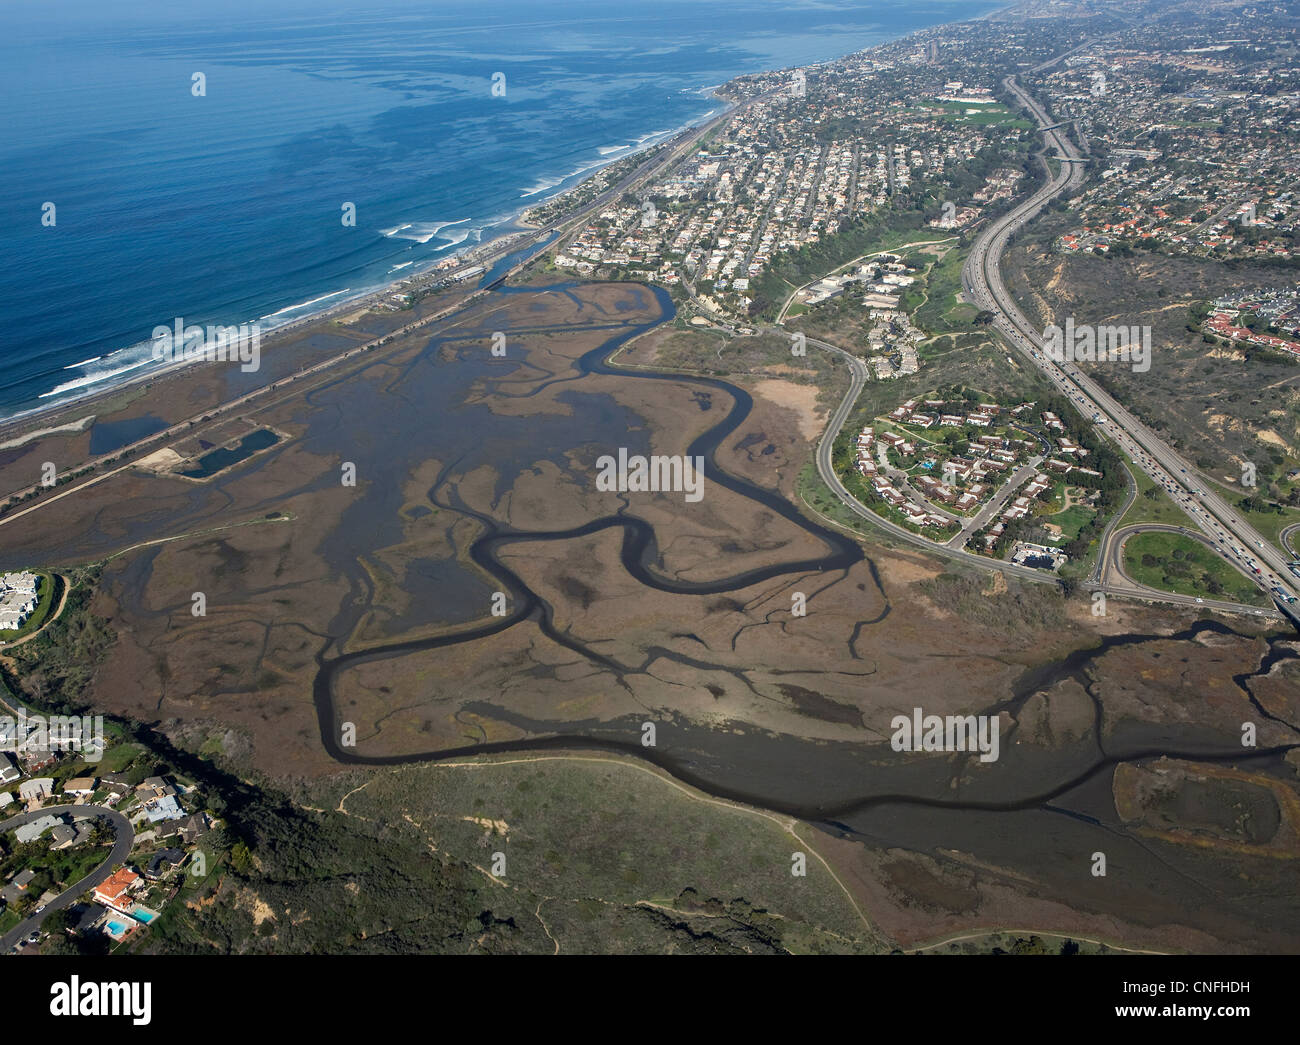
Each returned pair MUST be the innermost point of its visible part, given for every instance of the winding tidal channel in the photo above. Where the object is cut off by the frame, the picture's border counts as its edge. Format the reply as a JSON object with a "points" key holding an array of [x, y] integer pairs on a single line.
{"points": [[830, 801]]}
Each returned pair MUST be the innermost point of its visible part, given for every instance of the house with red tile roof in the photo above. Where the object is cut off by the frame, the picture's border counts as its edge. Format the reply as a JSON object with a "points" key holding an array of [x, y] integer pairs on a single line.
{"points": [[114, 892]]}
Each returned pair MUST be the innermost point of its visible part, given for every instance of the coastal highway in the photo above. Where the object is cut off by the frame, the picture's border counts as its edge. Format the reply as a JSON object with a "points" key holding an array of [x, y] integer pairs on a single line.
{"points": [[1231, 536], [116, 858]]}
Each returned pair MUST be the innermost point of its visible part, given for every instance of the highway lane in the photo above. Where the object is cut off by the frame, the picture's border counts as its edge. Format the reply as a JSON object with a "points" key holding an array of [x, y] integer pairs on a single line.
{"points": [[1108, 533], [1233, 538], [979, 271], [116, 858]]}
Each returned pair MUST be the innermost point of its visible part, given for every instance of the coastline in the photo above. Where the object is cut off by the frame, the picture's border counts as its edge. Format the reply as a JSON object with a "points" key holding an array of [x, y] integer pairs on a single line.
{"points": [[80, 407], [17, 425]]}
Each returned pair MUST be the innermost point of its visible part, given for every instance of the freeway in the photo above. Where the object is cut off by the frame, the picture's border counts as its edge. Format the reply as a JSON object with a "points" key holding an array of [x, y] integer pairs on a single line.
{"points": [[1230, 535], [982, 281], [116, 858]]}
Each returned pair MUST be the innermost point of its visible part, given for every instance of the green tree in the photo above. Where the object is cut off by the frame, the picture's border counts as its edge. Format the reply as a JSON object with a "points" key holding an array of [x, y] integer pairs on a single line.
{"points": [[58, 921]]}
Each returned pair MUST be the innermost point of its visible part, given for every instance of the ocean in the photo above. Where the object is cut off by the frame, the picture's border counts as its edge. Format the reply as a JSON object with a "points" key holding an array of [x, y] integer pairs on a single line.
{"points": [[227, 206]]}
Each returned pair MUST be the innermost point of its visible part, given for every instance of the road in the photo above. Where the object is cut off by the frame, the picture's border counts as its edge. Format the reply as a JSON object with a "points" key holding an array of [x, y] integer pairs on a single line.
{"points": [[1108, 534], [1115, 581], [1230, 535], [116, 858], [997, 502]]}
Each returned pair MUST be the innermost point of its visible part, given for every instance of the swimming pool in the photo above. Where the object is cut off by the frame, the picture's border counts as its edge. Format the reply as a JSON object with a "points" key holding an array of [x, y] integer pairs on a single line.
{"points": [[143, 914], [116, 928]]}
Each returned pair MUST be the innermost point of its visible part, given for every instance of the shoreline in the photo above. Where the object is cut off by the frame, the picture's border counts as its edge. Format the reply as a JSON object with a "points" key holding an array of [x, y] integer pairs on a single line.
{"points": [[75, 408], [14, 425]]}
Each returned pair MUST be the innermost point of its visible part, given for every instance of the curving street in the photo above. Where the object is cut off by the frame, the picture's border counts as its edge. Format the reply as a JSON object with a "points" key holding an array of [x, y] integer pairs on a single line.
{"points": [[1116, 581], [117, 857]]}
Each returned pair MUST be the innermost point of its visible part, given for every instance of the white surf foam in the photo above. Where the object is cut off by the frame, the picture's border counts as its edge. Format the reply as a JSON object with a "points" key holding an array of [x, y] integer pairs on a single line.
{"points": [[421, 231], [92, 379], [551, 183], [303, 304], [541, 186]]}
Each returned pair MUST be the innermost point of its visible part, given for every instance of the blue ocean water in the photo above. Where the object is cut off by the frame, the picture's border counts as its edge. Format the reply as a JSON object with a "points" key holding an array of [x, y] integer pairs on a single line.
{"points": [[226, 208]]}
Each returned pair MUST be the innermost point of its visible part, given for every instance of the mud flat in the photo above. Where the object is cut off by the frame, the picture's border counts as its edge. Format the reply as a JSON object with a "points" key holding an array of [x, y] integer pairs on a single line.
{"points": [[423, 555]]}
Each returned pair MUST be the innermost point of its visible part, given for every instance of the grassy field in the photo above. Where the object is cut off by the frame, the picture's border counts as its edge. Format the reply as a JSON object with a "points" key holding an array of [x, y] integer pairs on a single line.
{"points": [[1152, 504], [117, 757], [815, 494], [1178, 564], [596, 844], [996, 115], [941, 312]]}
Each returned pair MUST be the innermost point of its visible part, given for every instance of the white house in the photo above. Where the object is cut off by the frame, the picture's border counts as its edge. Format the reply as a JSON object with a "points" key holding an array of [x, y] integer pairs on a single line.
{"points": [[36, 789]]}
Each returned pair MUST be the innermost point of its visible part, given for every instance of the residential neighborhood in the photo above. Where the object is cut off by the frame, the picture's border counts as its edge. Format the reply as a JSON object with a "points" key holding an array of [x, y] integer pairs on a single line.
{"points": [[1266, 319], [1193, 141], [18, 598], [961, 471], [803, 162], [43, 854]]}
